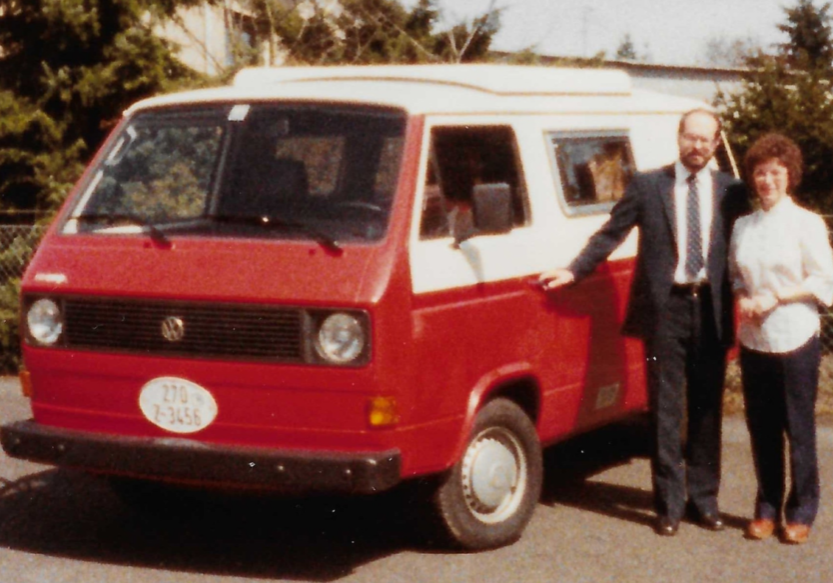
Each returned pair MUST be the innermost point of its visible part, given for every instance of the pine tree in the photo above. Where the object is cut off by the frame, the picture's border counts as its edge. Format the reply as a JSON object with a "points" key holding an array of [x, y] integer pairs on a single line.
{"points": [[810, 46], [68, 68], [789, 92]]}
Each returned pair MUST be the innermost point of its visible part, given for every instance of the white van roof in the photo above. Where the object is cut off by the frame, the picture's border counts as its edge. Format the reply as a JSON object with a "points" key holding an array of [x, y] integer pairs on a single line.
{"points": [[440, 89], [497, 79]]}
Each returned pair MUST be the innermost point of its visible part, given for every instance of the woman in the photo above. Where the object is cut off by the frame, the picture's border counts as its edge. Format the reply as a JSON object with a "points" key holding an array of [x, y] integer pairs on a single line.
{"points": [[781, 266]]}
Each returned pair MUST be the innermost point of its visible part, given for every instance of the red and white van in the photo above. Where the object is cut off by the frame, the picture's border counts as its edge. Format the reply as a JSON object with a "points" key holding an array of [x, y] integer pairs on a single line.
{"points": [[318, 279]]}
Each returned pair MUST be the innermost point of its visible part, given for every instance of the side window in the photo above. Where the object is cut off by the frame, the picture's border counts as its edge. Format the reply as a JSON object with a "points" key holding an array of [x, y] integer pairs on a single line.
{"points": [[461, 158], [594, 169]]}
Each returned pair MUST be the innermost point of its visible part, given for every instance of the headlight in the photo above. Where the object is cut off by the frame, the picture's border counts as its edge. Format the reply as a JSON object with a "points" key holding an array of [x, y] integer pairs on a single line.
{"points": [[45, 321], [340, 339]]}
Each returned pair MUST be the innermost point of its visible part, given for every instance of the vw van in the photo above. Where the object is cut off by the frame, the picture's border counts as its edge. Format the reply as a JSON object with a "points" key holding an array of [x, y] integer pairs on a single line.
{"points": [[323, 280]]}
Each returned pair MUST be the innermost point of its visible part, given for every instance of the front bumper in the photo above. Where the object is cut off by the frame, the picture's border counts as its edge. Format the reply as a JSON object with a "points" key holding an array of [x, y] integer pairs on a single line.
{"points": [[186, 460]]}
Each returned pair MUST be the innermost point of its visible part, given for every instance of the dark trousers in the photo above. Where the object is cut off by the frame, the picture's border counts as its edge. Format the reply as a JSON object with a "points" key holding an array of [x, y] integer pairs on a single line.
{"points": [[780, 394], [686, 369]]}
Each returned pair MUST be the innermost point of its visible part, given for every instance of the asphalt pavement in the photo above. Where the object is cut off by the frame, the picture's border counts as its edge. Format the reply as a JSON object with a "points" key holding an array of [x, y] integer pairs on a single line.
{"points": [[593, 524]]}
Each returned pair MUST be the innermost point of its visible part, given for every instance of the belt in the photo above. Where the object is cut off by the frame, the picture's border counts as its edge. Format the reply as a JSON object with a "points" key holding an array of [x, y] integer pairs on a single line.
{"points": [[690, 289]]}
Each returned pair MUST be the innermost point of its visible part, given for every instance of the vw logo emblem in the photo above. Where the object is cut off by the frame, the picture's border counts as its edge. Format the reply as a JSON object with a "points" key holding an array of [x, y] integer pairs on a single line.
{"points": [[173, 329]]}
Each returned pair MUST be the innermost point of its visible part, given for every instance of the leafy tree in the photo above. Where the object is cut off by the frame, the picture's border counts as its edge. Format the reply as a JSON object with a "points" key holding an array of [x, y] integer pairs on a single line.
{"points": [[788, 92], [68, 68], [468, 42], [9, 336], [323, 32]]}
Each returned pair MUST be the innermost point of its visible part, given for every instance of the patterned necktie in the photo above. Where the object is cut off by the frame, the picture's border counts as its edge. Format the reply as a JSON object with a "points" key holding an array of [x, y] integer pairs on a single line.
{"points": [[694, 249]]}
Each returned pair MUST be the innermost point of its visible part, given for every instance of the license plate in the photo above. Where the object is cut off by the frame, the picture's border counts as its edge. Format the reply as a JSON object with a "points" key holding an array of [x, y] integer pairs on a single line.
{"points": [[177, 405]]}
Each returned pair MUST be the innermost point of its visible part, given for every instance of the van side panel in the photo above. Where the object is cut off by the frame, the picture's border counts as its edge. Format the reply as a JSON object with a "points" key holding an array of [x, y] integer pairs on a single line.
{"points": [[477, 311], [584, 371]]}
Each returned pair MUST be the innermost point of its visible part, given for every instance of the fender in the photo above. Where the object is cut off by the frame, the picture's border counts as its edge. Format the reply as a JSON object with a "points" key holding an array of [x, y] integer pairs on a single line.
{"points": [[485, 386]]}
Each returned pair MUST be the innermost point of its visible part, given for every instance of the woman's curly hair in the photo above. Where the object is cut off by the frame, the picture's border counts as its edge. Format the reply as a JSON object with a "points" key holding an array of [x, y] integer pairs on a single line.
{"points": [[775, 147]]}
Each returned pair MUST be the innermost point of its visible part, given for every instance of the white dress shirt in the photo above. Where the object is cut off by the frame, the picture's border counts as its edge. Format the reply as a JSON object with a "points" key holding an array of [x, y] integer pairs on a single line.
{"points": [[706, 198], [778, 249]]}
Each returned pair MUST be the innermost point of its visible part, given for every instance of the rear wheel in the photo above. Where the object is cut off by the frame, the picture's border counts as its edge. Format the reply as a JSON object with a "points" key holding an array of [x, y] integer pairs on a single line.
{"points": [[487, 498]]}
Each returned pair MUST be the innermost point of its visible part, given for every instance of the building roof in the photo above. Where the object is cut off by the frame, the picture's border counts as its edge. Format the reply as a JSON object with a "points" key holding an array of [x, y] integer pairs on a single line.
{"points": [[439, 89]]}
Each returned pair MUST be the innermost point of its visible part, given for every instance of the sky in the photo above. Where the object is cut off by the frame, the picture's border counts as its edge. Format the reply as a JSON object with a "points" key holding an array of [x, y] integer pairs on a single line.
{"points": [[673, 32]]}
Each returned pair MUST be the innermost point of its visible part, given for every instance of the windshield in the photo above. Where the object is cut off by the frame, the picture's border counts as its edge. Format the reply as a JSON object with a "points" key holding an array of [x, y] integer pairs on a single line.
{"points": [[321, 172]]}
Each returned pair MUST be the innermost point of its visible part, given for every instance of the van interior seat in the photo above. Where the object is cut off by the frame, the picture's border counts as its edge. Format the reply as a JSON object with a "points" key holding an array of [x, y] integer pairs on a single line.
{"points": [[275, 187]]}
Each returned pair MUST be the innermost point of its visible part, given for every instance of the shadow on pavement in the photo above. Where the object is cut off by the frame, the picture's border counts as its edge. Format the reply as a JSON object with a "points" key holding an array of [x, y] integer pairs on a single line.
{"points": [[74, 515], [71, 514], [571, 469]]}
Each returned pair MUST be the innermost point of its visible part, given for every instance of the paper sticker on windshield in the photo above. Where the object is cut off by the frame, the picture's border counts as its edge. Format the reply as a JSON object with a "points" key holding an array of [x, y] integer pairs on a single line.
{"points": [[177, 405], [238, 112]]}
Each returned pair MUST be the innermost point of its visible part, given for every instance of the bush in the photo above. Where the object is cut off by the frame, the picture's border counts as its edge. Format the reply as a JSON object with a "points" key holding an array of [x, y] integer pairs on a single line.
{"points": [[9, 326]]}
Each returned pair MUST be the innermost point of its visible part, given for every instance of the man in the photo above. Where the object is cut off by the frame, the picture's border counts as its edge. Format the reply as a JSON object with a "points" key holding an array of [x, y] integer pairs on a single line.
{"points": [[681, 307]]}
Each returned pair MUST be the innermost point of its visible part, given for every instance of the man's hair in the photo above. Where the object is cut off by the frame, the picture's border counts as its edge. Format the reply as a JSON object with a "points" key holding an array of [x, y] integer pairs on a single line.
{"points": [[708, 112], [775, 147]]}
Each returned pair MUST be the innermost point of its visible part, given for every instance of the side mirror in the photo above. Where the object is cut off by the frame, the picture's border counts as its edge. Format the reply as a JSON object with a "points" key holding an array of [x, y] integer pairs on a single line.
{"points": [[492, 206]]}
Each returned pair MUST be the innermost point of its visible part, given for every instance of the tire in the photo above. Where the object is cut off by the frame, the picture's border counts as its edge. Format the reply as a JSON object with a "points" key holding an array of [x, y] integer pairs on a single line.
{"points": [[488, 497]]}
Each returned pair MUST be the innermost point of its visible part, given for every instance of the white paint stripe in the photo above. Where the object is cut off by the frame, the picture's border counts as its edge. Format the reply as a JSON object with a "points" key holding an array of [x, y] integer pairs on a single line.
{"points": [[436, 265]]}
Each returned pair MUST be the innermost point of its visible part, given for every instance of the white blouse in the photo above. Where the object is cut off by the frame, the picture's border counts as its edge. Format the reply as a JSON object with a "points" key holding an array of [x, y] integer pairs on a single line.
{"points": [[774, 250]]}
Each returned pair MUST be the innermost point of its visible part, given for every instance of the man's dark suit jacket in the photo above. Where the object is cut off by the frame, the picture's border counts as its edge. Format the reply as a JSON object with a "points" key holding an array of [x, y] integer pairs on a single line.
{"points": [[649, 204]]}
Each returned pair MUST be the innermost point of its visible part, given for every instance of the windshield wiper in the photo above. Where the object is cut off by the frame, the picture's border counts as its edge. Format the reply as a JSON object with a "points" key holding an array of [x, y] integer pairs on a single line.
{"points": [[155, 232], [274, 222]]}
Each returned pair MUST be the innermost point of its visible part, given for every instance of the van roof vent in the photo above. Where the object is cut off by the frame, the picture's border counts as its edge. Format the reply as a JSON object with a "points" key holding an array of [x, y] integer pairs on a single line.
{"points": [[496, 79]]}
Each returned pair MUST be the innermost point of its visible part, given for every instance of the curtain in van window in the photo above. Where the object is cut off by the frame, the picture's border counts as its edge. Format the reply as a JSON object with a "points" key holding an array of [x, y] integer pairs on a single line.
{"points": [[592, 170]]}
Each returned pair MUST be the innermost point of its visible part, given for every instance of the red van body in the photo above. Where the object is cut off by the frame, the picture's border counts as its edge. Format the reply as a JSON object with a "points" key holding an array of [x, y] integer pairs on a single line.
{"points": [[464, 381]]}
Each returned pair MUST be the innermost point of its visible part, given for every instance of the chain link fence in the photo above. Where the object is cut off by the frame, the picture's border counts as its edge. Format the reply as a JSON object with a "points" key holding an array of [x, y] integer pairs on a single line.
{"points": [[17, 244]]}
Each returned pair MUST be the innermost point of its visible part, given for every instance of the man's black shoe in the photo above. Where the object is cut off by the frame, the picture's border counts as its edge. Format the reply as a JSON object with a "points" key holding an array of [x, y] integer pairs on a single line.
{"points": [[711, 521], [666, 527], [707, 520]]}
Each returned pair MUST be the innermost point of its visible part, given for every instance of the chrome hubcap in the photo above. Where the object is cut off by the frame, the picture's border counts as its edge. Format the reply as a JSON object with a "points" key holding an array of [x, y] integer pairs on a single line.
{"points": [[494, 475]]}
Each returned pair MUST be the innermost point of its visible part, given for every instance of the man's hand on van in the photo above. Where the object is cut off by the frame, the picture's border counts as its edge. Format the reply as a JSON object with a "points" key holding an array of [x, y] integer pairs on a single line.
{"points": [[556, 278]]}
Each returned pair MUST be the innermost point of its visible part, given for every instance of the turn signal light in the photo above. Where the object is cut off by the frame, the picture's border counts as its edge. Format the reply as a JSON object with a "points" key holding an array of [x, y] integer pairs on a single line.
{"points": [[382, 412], [25, 383]]}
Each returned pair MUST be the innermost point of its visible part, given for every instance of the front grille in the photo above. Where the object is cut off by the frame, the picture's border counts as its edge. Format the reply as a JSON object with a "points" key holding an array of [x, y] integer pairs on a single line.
{"points": [[243, 332]]}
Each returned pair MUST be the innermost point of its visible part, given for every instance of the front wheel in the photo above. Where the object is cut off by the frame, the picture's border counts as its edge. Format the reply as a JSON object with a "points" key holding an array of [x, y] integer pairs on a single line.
{"points": [[487, 498]]}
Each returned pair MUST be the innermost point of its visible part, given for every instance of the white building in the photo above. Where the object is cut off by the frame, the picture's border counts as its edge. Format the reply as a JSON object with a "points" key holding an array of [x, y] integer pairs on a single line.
{"points": [[208, 36]]}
